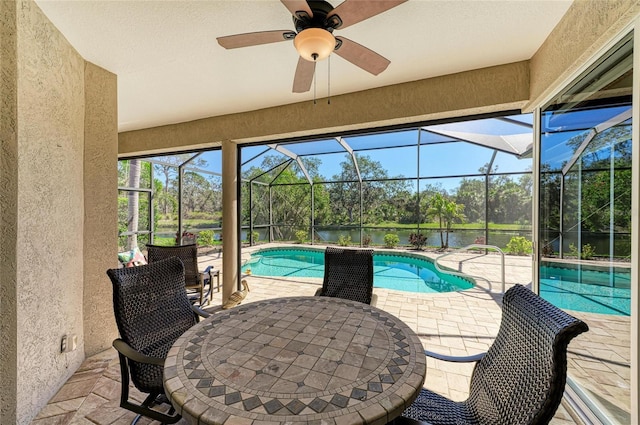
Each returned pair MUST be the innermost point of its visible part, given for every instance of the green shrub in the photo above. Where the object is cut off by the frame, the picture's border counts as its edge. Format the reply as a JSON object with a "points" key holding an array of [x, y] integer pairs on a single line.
{"points": [[547, 249], [256, 236], [205, 238], [519, 245], [418, 240], [344, 240], [301, 236], [588, 252], [366, 240], [391, 240]]}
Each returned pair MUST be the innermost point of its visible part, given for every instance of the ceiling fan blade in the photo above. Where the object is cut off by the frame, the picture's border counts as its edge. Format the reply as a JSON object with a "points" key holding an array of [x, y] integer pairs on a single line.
{"points": [[255, 38], [360, 56], [304, 76], [298, 6], [353, 11]]}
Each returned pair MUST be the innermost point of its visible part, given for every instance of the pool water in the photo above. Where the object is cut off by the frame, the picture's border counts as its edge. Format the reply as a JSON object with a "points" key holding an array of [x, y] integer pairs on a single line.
{"points": [[587, 290], [391, 271]]}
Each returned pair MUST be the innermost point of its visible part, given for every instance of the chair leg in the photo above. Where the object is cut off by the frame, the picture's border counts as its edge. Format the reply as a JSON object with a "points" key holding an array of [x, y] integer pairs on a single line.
{"points": [[208, 283], [202, 283], [143, 409], [205, 296]]}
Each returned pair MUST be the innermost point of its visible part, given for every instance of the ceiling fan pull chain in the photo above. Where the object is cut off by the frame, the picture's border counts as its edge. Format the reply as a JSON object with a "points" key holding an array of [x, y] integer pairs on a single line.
{"points": [[329, 80], [315, 80]]}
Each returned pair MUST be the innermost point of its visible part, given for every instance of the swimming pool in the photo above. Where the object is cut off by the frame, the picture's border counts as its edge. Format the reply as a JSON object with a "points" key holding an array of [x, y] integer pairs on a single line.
{"points": [[586, 288], [399, 271]]}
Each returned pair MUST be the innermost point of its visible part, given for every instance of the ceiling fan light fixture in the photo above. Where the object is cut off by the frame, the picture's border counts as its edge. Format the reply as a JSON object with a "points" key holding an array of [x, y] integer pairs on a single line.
{"points": [[314, 44]]}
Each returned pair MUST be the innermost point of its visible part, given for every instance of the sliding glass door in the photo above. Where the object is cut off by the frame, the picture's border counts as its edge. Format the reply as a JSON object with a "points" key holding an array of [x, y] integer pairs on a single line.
{"points": [[584, 239]]}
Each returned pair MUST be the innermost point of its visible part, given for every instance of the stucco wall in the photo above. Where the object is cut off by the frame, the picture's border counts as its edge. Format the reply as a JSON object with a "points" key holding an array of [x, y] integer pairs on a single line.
{"points": [[461, 94], [58, 208], [8, 211], [100, 206], [50, 208]]}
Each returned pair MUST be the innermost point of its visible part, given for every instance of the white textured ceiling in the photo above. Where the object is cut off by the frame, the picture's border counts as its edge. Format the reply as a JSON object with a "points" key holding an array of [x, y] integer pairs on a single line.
{"points": [[171, 69]]}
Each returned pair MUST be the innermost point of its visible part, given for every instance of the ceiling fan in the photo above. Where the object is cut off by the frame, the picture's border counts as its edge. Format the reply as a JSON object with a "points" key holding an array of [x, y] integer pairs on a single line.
{"points": [[315, 21]]}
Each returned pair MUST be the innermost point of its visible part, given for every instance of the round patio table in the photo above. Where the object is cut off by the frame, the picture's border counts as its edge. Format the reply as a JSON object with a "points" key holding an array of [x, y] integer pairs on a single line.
{"points": [[295, 360]]}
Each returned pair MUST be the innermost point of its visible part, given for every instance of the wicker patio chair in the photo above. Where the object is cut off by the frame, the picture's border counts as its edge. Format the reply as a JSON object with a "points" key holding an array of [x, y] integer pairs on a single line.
{"points": [[151, 310], [348, 274], [520, 379], [199, 284]]}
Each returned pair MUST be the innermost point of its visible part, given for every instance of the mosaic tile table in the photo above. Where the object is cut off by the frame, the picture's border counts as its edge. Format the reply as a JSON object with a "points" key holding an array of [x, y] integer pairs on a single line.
{"points": [[295, 360]]}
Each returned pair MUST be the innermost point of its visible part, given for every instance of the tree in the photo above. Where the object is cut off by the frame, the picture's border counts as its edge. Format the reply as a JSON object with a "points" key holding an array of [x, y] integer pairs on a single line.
{"points": [[596, 200], [133, 205], [169, 170], [509, 201], [471, 194], [550, 182], [377, 190], [447, 212], [290, 195], [291, 205], [201, 194], [399, 208], [133, 196]]}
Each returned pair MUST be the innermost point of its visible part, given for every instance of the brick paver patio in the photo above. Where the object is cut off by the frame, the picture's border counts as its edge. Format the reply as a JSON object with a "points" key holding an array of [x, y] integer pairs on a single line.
{"points": [[458, 323]]}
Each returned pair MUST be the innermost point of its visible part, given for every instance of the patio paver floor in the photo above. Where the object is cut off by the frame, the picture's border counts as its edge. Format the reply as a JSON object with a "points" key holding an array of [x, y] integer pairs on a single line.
{"points": [[458, 323]]}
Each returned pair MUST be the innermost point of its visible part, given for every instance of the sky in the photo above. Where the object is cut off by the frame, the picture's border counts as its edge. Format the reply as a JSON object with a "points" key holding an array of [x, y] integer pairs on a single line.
{"points": [[439, 155], [437, 158]]}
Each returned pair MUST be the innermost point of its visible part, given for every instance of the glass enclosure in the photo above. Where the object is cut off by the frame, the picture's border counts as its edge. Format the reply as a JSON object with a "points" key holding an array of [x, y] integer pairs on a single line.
{"points": [[135, 212], [585, 225], [445, 185], [186, 194]]}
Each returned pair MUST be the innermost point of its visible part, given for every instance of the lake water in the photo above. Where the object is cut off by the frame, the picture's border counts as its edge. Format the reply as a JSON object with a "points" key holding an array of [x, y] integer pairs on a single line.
{"points": [[457, 238]]}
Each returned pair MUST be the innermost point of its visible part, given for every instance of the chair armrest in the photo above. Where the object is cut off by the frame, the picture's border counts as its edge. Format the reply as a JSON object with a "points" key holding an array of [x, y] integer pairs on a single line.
{"points": [[210, 271], [200, 312], [126, 350], [457, 359]]}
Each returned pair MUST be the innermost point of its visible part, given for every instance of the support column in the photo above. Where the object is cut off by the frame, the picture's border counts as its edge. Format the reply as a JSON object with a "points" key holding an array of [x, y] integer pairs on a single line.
{"points": [[230, 225], [8, 213]]}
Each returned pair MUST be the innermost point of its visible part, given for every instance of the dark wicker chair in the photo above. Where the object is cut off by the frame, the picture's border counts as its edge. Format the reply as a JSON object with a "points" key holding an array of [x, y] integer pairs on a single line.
{"points": [[151, 310], [199, 284], [348, 274], [521, 378]]}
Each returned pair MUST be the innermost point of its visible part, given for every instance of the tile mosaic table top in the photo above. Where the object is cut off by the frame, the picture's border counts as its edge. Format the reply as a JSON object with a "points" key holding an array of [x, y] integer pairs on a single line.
{"points": [[296, 360]]}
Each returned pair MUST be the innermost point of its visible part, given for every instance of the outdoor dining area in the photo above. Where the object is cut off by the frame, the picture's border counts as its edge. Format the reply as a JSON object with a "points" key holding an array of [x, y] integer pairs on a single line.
{"points": [[299, 351]]}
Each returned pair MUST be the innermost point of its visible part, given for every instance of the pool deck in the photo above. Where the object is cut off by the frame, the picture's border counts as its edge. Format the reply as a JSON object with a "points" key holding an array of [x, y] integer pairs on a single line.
{"points": [[457, 323]]}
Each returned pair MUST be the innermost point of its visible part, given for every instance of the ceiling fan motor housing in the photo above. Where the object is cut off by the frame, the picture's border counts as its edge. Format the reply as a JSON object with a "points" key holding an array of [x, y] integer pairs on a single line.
{"points": [[320, 9]]}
